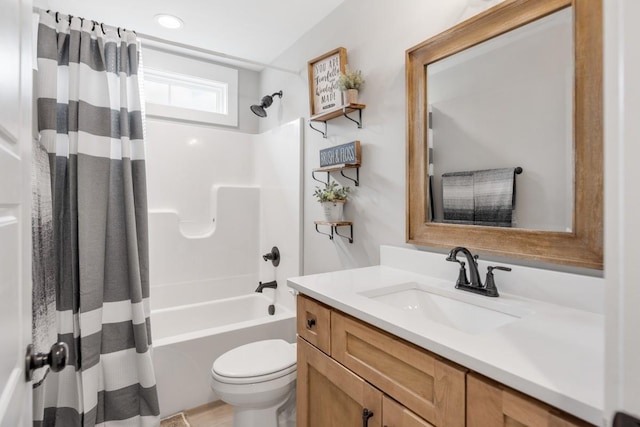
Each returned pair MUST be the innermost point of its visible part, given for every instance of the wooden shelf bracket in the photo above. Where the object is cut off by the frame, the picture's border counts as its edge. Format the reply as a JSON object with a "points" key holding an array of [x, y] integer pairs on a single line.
{"points": [[324, 133], [334, 229], [313, 175], [341, 168], [358, 122], [356, 181], [344, 110]]}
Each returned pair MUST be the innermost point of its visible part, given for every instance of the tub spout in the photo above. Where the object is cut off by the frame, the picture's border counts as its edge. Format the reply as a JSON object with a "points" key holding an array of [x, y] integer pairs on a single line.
{"points": [[272, 285]]}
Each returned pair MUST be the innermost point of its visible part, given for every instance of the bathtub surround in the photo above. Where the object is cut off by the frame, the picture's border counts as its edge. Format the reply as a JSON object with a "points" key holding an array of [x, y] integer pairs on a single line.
{"points": [[90, 122], [230, 197]]}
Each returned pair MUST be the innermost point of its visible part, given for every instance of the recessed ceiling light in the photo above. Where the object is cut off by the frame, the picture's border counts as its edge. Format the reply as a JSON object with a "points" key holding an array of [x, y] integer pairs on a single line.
{"points": [[169, 21]]}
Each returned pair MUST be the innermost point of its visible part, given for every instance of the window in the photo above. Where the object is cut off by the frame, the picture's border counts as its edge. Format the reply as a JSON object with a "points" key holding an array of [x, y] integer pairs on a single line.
{"points": [[187, 92], [187, 89]]}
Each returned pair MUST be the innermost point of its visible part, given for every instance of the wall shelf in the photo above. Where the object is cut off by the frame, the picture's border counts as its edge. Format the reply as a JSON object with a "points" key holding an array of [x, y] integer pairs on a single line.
{"points": [[344, 110], [334, 229], [341, 168]]}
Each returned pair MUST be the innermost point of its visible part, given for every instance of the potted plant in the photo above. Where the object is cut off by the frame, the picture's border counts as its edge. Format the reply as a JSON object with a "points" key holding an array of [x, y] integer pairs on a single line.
{"points": [[332, 197], [349, 82]]}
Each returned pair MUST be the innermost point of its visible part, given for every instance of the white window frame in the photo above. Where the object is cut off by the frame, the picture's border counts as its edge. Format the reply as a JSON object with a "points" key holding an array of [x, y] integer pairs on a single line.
{"points": [[224, 77]]}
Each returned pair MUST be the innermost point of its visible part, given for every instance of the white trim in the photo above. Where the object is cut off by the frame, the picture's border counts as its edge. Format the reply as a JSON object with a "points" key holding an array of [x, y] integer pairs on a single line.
{"points": [[622, 203], [8, 136]]}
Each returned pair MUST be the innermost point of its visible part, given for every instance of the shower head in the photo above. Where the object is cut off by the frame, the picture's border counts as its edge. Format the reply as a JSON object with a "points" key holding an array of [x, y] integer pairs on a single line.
{"points": [[265, 102]]}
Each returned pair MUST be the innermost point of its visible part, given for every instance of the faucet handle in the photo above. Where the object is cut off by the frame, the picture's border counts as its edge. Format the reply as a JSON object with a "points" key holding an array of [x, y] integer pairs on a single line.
{"points": [[462, 275], [490, 284], [497, 267]]}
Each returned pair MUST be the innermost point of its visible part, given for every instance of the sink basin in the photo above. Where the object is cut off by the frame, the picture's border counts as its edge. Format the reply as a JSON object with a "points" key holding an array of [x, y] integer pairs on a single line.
{"points": [[466, 313]]}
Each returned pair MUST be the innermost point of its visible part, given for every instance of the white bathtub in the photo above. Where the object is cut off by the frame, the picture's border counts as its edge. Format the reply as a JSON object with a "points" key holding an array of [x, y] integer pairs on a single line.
{"points": [[188, 338]]}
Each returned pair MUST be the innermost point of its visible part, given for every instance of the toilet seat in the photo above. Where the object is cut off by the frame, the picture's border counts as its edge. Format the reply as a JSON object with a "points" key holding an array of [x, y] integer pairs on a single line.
{"points": [[255, 362]]}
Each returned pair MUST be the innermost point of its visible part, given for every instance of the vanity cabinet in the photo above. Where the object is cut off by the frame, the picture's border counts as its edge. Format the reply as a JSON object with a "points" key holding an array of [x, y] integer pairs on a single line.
{"points": [[347, 367], [368, 369], [492, 404]]}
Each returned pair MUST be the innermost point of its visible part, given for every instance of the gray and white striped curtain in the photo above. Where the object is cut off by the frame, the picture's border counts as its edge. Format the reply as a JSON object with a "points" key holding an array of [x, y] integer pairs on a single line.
{"points": [[90, 122]]}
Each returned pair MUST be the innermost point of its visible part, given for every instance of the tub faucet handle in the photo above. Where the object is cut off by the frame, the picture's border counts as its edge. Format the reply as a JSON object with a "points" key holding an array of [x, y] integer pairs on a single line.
{"points": [[273, 256]]}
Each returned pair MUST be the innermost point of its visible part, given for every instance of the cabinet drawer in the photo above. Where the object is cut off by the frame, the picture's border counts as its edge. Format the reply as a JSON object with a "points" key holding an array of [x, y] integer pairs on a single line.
{"points": [[396, 415], [492, 404], [314, 323], [430, 387]]}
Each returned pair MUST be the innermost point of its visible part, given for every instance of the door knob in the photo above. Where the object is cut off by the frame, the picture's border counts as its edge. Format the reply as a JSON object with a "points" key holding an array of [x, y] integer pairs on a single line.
{"points": [[56, 359]]}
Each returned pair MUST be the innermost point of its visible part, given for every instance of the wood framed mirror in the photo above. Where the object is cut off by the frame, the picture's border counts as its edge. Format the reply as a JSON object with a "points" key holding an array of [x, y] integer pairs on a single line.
{"points": [[579, 244]]}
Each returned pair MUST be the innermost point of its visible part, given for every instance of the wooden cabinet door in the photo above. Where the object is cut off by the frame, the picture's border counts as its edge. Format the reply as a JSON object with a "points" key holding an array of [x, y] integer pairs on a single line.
{"points": [[329, 395], [490, 404], [396, 415], [429, 386]]}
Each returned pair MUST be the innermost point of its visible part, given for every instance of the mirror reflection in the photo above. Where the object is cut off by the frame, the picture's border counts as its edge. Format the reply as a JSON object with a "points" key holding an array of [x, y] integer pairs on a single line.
{"points": [[501, 105]]}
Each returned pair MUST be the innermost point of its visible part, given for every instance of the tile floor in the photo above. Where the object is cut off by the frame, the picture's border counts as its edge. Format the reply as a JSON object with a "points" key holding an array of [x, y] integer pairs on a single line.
{"points": [[216, 414]]}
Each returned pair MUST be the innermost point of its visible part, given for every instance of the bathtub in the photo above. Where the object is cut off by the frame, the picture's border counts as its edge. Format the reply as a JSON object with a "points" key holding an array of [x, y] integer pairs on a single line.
{"points": [[188, 338]]}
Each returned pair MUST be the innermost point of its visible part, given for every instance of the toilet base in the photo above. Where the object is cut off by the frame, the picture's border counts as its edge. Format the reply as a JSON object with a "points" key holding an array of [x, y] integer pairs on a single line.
{"points": [[246, 417], [281, 415]]}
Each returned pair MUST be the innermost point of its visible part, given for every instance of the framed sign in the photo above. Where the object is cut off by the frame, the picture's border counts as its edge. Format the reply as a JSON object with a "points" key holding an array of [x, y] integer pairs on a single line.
{"points": [[324, 72], [345, 154]]}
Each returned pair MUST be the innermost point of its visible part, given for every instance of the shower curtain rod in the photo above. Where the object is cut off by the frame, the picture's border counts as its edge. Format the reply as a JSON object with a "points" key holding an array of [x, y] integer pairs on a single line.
{"points": [[200, 50]]}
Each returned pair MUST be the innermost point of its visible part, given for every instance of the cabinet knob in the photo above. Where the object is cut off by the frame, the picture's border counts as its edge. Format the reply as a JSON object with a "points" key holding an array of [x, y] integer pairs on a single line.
{"points": [[311, 323]]}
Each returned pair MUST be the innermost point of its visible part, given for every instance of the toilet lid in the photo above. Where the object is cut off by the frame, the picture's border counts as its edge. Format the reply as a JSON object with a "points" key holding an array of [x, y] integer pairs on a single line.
{"points": [[256, 359]]}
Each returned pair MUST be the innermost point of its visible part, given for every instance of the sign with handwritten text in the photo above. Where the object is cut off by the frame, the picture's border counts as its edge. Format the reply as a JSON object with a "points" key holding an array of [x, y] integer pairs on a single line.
{"points": [[347, 154], [324, 72]]}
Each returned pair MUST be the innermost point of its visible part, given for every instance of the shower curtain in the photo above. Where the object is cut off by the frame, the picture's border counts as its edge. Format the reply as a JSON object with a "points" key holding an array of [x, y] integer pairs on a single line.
{"points": [[91, 124]]}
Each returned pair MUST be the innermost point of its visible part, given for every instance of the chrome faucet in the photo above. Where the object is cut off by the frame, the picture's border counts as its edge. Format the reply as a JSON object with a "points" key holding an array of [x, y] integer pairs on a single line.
{"points": [[489, 288]]}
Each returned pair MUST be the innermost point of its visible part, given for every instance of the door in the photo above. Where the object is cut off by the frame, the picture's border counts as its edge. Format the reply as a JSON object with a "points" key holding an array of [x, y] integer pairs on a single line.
{"points": [[329, 395], [15, 215]]}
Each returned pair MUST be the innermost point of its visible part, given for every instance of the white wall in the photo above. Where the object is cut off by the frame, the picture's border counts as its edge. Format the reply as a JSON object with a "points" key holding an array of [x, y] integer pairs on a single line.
{"points": [[622, 205], [376, 34]]}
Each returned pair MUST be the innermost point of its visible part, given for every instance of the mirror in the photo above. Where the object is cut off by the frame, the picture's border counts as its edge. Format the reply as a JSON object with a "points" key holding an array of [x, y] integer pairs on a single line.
{"points": [[506, 103], [518, 86]]}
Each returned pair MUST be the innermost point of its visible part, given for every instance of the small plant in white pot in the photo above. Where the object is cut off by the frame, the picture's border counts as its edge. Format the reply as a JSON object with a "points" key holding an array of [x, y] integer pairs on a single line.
{"points": [[349, 83], [332, 197]]}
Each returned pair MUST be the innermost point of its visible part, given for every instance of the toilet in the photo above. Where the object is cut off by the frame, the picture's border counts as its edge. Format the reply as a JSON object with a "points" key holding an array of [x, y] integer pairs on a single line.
{"points": [[259, 380]]}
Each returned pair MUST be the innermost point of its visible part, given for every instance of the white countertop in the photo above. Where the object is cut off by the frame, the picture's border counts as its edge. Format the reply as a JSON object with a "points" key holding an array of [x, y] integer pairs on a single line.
{"points": [[555, 353]]}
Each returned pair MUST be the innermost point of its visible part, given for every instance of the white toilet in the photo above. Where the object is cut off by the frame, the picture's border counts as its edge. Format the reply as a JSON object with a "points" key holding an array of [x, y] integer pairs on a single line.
{"points": [[259, 380]]}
